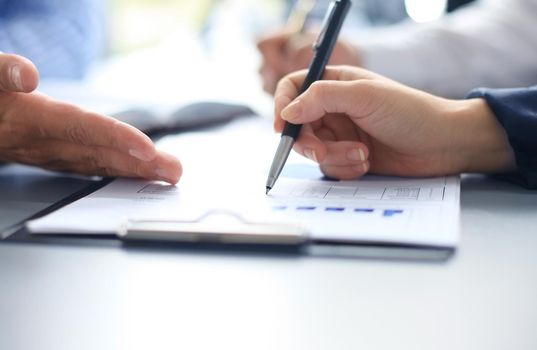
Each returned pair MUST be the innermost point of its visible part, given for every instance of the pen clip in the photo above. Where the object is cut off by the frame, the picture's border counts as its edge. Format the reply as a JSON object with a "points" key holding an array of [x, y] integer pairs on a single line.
{"points": [[324, 27]]}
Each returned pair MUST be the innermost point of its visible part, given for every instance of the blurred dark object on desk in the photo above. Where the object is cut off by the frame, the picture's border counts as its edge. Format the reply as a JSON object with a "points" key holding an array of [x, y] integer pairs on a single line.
{"points": [[455, 4]]}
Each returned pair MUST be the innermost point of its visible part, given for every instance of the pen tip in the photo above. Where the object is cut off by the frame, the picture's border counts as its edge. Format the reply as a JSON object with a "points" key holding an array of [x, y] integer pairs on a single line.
{"points": [[268, 190]]}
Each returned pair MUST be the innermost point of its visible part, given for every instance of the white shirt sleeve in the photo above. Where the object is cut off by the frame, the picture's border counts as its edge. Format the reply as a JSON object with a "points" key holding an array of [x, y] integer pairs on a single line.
{"points": [[492, 43]]}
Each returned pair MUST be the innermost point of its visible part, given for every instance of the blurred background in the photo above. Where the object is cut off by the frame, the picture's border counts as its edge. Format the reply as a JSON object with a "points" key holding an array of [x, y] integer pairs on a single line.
{"points": [[170, 51], [136, 24]]}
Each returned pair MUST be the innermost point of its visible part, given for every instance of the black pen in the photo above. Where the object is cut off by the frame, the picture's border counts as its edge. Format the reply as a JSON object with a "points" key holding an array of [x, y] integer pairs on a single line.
{"points": [[323, 47]]}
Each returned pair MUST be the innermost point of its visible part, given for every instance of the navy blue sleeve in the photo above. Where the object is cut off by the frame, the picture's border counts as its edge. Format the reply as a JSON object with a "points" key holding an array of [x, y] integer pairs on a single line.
{"points": [[516, 110]]}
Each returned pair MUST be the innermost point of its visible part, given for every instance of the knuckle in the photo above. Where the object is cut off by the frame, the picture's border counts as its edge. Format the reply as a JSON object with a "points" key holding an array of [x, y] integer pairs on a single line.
{"points": [[93, 161], [281, 85], [34, 156], [362, 86], [371, 95], [318, 95], [132, 167], [317, 90], [77, 134], [137, 169], [5, 81], [115, 128]]}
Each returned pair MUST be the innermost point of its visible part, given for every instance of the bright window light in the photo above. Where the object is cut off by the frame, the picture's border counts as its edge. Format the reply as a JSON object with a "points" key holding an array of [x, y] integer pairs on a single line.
{"points": [[422, 11]]}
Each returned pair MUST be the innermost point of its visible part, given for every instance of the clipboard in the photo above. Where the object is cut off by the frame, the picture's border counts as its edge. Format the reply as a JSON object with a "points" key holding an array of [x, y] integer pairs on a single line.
{"points": [[213, 227], [238, 232]]}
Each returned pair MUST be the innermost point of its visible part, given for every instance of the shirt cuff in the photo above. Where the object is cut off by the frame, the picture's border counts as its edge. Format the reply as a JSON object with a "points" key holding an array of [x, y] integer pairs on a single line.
{"points": [[516, 110]]}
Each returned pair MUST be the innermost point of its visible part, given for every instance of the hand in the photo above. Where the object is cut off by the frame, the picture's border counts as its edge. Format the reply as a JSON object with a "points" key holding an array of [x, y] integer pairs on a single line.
{"points": [[37, 130], [357, 122], [284, 52]]}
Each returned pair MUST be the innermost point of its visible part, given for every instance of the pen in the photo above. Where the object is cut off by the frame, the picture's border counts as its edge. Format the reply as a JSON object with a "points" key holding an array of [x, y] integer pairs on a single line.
{"points": [[299, 15], [322, 49]]}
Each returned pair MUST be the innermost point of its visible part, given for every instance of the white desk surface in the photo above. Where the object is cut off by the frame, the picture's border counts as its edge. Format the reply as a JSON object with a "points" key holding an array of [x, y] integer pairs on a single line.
{"points": [[485, 297]]}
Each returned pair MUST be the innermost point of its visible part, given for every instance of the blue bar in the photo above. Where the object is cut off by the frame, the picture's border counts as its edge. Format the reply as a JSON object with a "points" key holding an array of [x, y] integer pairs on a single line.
{"points": [[279, 208], [306, 208], [364, 210], [335, 209], [392, 212]]}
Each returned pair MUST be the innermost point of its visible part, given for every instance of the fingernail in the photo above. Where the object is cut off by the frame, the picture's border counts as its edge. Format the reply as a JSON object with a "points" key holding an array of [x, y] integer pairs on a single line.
{"points": [[15, 76], [140, 155], [362, 154], [164, 175], [292, 112], [311, 154]]}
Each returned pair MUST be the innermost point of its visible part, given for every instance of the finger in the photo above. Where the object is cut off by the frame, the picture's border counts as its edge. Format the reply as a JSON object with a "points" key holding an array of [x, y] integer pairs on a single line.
{"points": [[47, 118], [299, 52], [168, 167], [280, 102], [309, 145], [345, 172], [17, 74], [269, 79], [290, 86], [325, 134], [277, 39], [354, 99], [63, 156], [286, 91], [337, 73], [345, 153], [337, 128], [273, 49]]}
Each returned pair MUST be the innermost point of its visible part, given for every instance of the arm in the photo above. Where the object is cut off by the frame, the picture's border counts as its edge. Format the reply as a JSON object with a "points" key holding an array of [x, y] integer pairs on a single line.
{"points": [[492, 43], [61, 37]]}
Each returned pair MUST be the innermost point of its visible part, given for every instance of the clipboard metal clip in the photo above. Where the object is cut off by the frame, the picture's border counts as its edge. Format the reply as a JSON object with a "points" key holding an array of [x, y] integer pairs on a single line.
{"points": [[213, 227]]}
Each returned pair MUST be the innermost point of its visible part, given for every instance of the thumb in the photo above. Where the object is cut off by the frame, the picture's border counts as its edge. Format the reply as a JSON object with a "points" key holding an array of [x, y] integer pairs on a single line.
{"points": [[17, 74], [352, 98]]}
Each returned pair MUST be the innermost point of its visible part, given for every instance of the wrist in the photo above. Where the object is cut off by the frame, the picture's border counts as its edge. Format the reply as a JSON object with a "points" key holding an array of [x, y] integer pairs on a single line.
{"points": [[479, 142]]}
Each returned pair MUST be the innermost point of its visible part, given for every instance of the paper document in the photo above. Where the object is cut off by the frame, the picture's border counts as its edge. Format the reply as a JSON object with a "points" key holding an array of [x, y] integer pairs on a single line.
{"points": [[226, 169]]}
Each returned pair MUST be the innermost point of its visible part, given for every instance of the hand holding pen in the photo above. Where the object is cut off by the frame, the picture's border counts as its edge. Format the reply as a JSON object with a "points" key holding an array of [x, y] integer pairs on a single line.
{"points": [[323, 48], [289, 49]]}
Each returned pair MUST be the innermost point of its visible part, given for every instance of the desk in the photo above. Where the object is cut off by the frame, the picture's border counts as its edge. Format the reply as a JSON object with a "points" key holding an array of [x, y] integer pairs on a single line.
{"points": [[25, 191], [87, 297]]}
